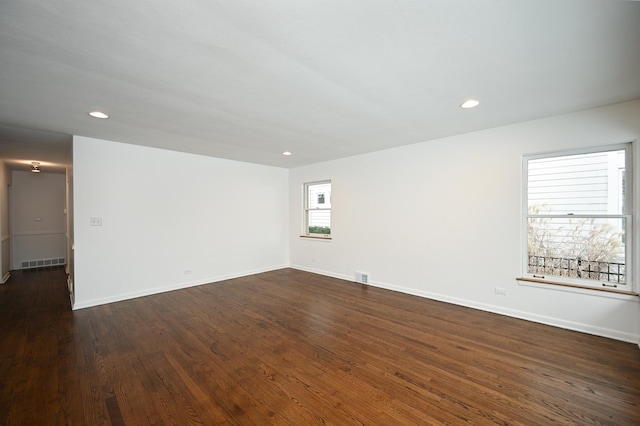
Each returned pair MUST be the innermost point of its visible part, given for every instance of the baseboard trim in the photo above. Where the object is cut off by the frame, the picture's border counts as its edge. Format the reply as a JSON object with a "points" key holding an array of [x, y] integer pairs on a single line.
{"points": [[6, 277], [322, 272], [177, 286], [541, 319]]}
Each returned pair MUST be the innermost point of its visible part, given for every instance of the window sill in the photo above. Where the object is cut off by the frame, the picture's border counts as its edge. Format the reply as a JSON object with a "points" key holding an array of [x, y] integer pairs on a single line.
{"points": [[582, 287], [313, 237]]}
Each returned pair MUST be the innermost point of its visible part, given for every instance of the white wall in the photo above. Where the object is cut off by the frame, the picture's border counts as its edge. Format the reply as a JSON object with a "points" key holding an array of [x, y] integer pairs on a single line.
{"points": [[69, 239], [164, 213], [38, 226], [4, 222], [441, 219]]}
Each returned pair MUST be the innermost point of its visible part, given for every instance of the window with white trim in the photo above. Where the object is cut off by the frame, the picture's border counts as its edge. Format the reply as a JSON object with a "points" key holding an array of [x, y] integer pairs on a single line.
{"points": [[576, 223], [317, 209]]}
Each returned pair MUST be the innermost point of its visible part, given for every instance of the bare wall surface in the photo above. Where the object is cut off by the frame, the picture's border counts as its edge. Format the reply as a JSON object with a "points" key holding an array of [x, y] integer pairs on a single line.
{"points": [[170, 220], [4, 222], [442, 219], [69, 239]]}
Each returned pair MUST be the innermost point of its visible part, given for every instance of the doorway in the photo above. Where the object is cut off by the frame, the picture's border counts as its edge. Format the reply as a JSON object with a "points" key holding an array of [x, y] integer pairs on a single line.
{"points": [[37, 218]]}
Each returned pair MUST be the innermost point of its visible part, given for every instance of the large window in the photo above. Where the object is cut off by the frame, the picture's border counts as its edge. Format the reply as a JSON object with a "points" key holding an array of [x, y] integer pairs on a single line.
{"points": [[317, 209], [577, 226]]}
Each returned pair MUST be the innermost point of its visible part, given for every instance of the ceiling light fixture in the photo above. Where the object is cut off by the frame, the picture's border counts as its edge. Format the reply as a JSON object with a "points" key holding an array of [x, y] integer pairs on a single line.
{"points": [[35, 167], [470, 103], [98, 114], [286, 153]]}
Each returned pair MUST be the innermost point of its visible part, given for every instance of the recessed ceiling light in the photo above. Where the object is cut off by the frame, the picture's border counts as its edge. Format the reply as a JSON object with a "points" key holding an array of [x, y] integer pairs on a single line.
{"points": [[470, 103], [98, 114], [286, 153]]}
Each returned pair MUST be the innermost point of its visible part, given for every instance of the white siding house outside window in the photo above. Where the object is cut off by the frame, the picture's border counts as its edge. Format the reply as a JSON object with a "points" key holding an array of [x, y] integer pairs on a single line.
{"points": [[317, 209], [577, 226]]}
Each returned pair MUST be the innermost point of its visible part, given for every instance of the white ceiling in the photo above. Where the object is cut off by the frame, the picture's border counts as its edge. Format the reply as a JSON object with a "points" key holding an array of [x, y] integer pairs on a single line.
{"points": [[246, 80]]}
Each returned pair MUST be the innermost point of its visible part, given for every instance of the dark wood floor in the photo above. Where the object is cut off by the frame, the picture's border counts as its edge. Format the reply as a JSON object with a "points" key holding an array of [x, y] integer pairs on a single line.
{"points": [[289, 347]]}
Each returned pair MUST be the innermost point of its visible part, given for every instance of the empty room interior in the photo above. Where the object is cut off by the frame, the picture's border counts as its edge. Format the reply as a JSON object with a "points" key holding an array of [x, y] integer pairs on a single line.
{"points": [[390, 212]]}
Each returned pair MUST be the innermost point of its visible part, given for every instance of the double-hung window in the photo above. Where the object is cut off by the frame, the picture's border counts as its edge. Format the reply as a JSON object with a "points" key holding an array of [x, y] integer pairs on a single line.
{"points": [[576, 217], [317, 209]]}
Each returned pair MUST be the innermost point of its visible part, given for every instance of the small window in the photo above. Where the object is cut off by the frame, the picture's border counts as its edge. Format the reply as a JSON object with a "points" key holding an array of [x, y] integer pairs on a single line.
{"points": [[576, 226], [317, 209]]}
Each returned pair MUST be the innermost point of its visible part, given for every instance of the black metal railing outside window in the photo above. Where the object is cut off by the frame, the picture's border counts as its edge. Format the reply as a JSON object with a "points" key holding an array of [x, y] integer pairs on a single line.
{"points": [[611, 272]]}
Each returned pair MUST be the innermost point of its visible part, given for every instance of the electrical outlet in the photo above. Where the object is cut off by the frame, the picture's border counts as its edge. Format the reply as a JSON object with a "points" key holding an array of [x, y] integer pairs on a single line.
{"points": [[187, 272], [95, 221], [501, 291]]}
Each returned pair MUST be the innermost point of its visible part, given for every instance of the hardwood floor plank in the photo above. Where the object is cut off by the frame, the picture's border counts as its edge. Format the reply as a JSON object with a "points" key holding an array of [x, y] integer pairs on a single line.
{"points": [[293, 348]]}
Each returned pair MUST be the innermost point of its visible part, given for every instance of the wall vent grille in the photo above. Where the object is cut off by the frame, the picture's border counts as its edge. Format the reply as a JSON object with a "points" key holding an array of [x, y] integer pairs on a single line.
{"points": [[42, 263], [362, 277]]}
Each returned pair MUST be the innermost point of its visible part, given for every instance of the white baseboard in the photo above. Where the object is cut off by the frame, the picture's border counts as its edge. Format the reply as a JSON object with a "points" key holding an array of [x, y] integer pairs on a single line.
{"points": [[6, 277], [325, 273], [556, 322], [172, 287]]}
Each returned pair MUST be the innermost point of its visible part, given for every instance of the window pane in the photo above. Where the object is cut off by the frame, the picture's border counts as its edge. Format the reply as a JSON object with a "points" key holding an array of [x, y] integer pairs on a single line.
{"points": [[580, 184], [318, 208], [314, 192], [578, 248], [319, 222]]}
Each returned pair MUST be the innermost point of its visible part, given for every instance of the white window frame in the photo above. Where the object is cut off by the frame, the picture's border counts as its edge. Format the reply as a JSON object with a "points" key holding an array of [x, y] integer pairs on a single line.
{"points": [[629, 285], [306, 209]]}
